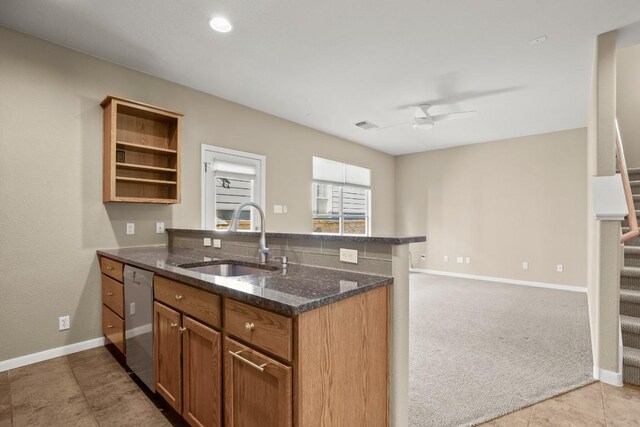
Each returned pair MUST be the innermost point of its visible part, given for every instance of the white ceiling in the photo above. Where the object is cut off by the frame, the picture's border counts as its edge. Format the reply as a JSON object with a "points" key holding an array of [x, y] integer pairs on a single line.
{"points": [[329, 64]]}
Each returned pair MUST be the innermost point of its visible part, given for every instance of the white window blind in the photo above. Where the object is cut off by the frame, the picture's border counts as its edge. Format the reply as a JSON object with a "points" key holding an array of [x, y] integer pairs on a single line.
{"points": [[335, 172]]}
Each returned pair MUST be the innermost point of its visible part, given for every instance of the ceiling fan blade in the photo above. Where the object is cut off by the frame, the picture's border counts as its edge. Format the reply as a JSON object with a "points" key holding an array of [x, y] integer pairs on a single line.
{"points": [[456, 115], [396, 125]]}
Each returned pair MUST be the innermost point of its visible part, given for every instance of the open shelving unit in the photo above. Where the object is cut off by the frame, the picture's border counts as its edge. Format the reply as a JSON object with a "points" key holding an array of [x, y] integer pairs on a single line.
{"points": [[141, 157]]}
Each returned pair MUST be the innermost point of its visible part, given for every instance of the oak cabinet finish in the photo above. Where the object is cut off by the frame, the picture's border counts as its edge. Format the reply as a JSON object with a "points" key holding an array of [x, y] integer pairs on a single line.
{"points": [[113, 325], [113, 328], [201, 374], [112, 268], [324, 367], [141, 152], [202, 305], [257, 389], [262, 328], [113, 295], [167, 344]]}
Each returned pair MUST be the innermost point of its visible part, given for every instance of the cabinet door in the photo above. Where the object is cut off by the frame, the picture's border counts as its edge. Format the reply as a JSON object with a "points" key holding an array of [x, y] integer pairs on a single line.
{"points": [[257, 389], [167, 352], [201, 374]]}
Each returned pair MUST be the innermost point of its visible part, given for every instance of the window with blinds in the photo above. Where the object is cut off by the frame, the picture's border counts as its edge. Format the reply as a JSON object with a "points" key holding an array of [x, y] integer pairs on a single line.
{"points": [[231, 178], [341, 195]]}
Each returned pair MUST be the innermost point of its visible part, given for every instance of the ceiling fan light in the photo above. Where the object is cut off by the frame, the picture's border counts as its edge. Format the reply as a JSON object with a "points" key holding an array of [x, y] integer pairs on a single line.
{"points": [[422, 125]]}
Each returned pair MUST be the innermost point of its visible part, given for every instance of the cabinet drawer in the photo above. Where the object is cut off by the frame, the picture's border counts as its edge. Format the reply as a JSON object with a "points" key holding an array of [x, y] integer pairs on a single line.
{"points": [[113, 295], [111, 268], [113, 328], [266, 330], [202, 305]]}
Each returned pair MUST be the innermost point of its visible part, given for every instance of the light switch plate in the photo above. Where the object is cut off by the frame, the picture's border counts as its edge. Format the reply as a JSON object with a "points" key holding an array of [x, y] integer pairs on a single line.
{"points": [[446, 258], [277, 209], [525, 265], [217, 243], [467, 260], [131, 228], [285, 209], [206, 241], [559, 268], [460, 260], [349, 255]]}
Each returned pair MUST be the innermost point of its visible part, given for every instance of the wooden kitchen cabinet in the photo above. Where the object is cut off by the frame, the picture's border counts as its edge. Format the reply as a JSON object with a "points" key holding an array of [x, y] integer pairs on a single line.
{"points": [[167, 344], [201, 374], [141, 152], [188, 370], [257, 388]]}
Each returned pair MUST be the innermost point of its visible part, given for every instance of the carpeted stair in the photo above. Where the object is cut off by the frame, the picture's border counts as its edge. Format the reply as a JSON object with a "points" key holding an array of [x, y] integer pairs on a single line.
{"points": [[630, 294]]}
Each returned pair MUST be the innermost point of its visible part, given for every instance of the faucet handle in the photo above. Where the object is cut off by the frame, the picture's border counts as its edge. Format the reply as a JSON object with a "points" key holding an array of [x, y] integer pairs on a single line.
{"points": [[265, 251], [284, 260]]}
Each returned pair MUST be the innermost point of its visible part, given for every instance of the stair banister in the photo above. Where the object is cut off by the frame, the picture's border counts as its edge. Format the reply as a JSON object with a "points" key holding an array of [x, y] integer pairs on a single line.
{"points": [[622, 166]]}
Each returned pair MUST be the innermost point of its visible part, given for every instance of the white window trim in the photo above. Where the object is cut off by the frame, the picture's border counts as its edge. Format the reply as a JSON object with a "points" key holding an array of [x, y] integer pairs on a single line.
{"points": [[203, 176]]}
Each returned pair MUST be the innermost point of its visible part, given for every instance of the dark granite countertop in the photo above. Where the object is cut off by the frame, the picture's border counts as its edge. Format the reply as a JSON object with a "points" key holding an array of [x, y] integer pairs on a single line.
{"points": [[391, 240], [297, 289]]}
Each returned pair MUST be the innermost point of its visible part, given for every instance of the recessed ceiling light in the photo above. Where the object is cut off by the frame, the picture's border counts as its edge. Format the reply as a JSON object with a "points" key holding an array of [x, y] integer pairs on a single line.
{"points": [[220, 24]]}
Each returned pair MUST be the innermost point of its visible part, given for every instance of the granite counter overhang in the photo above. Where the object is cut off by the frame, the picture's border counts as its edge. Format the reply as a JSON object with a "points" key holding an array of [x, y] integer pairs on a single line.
{"points": [[295, 290]]}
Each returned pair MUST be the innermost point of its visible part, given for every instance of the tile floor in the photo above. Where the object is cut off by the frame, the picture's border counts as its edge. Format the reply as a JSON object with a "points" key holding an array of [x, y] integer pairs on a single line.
{"points": [[92, 389]]}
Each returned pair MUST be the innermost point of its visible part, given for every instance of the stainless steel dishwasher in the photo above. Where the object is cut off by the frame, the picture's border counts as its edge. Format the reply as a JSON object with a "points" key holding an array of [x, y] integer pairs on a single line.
{"points": [[138, 316]]}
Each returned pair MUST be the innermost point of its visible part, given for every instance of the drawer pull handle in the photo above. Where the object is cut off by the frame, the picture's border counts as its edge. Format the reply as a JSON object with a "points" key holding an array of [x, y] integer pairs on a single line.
{"points": [[173, 325], [248, 362], [249, 326], [178, 297], [109, 326], [109, 267], [109, 294], [182, 329]]}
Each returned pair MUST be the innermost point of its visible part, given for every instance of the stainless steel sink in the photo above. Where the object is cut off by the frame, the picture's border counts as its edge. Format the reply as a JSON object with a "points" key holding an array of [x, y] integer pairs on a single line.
{"points": [[228, 268]]}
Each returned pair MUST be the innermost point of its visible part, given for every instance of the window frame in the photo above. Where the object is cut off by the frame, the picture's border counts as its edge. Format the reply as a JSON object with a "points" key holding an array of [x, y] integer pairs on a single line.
{"points": [[205, 150], [369, 211]]}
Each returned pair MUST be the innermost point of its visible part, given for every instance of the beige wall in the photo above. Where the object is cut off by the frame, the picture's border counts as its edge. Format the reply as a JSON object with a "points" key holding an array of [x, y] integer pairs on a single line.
{"points": [[499, 203], [52, 218], [628, 102], [604, 252]]}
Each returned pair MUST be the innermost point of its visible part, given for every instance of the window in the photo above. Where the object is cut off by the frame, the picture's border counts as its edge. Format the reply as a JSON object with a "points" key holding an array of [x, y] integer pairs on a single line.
{"points": [[230, 178], [341, 196]]}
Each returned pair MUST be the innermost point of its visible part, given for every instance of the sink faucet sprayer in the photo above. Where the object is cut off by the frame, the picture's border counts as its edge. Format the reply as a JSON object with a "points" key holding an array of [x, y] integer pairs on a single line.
{"points": [[263, 249]]}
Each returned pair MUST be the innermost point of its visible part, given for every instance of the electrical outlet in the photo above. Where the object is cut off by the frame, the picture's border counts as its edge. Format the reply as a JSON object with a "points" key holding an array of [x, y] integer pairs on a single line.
{"points": [[446, 258], [277, 209], [64, 323], [206, 241], [217, 243], [559, 268], [460, 260], [467, 260], [131, 228], [349, 255], [160, 227], [525, 265], [423, 257]]}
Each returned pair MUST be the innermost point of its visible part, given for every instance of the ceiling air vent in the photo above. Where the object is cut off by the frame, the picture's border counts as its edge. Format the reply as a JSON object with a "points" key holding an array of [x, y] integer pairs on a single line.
{"points": [[366, 125]]}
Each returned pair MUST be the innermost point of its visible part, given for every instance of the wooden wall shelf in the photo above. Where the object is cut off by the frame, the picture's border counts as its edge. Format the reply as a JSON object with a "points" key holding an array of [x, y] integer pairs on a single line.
{"points": [[141, 152]]}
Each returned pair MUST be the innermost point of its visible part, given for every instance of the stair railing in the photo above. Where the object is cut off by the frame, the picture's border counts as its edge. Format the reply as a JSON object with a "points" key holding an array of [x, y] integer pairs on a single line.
{"points": [[622, 166]]}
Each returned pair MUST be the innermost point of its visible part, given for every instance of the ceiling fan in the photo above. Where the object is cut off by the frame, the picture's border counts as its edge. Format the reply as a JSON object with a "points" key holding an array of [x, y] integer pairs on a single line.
{"points": [[422, 120]]}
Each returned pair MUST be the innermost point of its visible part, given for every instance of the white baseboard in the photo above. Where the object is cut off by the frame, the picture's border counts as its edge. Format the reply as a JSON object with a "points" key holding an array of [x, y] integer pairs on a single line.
{"points": [[28, 359], [608, 377], [503, 280]]}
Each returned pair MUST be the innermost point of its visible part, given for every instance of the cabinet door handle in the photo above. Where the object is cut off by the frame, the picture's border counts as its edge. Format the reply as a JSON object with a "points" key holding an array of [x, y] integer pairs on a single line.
{"points": [[109, 267], [173, 325], [249, 326], [109, 326], [178, 297], [248, 362], [182, 329], [109, 294]]}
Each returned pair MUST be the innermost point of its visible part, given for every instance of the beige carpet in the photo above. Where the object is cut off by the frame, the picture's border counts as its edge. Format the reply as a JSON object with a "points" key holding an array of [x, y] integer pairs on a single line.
{"points": [[479, 350]]}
